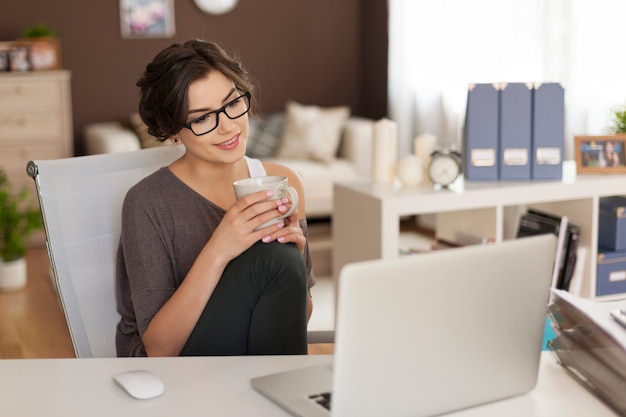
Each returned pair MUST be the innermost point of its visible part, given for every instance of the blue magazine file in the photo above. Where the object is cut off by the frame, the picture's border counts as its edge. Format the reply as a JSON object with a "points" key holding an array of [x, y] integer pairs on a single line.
{"points": [[548, 131], [515, 131], [481, 133]]}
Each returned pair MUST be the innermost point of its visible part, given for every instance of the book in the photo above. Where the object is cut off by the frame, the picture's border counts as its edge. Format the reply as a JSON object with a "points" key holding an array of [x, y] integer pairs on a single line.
{"points": [[571, 250], [536, 222], [576, 283]]}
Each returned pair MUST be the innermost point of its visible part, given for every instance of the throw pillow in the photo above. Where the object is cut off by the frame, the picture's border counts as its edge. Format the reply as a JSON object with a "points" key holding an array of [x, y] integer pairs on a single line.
{"points": [[264, 136], [312, 132], [141, 130]]}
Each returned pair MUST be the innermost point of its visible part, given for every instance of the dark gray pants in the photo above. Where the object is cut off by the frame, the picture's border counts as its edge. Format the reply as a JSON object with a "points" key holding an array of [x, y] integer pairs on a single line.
{"points": [[259, 306]]}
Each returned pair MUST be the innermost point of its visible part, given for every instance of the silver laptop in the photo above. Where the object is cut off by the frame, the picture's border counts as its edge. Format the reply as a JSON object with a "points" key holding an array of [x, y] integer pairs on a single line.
{"points": [[430, 333]]}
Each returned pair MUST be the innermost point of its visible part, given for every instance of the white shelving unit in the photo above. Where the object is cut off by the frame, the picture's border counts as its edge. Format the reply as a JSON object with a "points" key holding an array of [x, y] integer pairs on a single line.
{"points": [[366, 216]]}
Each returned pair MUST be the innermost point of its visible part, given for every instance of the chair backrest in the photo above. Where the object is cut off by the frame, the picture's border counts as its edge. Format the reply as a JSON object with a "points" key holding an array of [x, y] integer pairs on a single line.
{"points": [[81, 202]]}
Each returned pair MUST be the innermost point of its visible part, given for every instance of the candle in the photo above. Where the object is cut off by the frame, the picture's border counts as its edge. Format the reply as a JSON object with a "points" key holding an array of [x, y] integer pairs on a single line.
{"points": [[423, 147], [410, 170], [385, 151]]}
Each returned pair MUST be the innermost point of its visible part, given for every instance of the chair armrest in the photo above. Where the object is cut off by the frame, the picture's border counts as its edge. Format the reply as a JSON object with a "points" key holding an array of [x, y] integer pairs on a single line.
{"points": [[320, 336], [357, 143], [110, 137]]}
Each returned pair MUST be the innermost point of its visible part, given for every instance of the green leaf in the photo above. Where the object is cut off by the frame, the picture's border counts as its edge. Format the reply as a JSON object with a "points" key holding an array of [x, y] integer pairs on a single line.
{"points": [[618, 119], [18, 219]]}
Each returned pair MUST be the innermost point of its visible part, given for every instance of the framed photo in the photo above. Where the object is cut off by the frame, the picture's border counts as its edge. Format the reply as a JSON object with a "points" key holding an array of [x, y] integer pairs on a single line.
{"points": [[4, 56], [600, 154], [18, 58], [147, 18]]}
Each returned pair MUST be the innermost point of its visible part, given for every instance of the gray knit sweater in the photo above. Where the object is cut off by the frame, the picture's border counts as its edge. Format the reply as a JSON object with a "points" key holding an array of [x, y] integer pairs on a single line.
{"points": [[165, 225]]}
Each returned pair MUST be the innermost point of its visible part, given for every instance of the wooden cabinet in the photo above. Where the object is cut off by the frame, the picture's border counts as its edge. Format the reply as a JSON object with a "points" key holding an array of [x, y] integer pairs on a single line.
{"points": [[366, 217], [35, 121]]}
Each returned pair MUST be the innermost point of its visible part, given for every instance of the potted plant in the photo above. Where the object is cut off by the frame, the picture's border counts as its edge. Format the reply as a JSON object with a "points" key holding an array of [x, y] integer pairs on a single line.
{"points": [[44, 47], [18, 219], [618, 120], [39, 31]]}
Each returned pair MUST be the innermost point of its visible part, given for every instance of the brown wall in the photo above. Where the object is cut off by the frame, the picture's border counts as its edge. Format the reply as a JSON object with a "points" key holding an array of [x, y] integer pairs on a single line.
{"points": [[324, 52]]}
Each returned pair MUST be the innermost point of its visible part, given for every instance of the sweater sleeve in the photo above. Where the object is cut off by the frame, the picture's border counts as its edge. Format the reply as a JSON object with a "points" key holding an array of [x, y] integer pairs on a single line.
{"points": [[147, 267], [311, 281]]}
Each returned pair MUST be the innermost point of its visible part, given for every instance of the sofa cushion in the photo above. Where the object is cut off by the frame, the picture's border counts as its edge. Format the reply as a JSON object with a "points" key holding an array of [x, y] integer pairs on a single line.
{"points": [[264, 136], [312, 132], [109, 137], [318, 180], [145, 138]]}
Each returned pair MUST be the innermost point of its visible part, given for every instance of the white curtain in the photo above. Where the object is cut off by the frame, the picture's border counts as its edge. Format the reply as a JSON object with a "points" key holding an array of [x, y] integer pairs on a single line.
{"points": [[436, 48]]}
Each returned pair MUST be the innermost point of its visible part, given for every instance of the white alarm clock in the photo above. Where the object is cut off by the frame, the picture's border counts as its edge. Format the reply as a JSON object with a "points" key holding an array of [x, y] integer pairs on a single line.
{"points": [[445, 167]]}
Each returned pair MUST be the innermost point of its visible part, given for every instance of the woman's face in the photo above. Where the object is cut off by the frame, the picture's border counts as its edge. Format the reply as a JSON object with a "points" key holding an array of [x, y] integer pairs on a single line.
{"points": [[227, 142]]}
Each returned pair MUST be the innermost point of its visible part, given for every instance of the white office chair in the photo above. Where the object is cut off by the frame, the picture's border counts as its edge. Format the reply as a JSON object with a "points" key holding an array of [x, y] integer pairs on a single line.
{"points": [[81, 202]]}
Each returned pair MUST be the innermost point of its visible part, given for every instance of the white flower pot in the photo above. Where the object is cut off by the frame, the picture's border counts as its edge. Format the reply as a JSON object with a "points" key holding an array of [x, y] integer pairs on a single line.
{"points": [[13, 275]]}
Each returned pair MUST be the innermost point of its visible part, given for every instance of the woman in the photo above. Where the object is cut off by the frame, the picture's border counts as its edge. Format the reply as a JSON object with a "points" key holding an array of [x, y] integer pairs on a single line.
{"points": [[193, 276], [610, 157]]}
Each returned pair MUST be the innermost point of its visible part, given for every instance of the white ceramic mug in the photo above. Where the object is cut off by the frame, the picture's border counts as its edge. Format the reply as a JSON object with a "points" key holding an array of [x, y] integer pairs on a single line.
{"points": [[276, 183]]}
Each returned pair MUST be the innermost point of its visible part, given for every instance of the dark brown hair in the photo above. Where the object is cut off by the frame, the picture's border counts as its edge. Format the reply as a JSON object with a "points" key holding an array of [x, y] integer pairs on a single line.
{"points": [[164, 87]]}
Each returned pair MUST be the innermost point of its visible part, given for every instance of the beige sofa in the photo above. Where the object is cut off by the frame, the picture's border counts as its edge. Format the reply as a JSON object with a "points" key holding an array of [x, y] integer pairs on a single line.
{"points": [[322, 145]]}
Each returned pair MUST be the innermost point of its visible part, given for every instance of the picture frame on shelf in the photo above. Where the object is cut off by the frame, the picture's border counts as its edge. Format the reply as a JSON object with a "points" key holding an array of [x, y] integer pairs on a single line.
{"points": [[18, 58], [147, 19], [4, 57], [600, 154]]}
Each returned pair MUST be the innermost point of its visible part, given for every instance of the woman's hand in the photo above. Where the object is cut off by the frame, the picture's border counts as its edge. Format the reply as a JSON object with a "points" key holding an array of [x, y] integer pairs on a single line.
{"points": [[291, 232], [236, 233]]}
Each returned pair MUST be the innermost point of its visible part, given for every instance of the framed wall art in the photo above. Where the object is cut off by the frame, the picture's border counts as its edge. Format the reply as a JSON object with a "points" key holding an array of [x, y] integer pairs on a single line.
{"points": [[147, 19], [600, 154]]}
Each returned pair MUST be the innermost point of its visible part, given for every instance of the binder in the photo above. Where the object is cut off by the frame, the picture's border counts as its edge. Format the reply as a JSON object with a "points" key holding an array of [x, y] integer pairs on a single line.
{"points": [[570, 254], [535, 222], [548, 131], [481, 133], [515, 131]]}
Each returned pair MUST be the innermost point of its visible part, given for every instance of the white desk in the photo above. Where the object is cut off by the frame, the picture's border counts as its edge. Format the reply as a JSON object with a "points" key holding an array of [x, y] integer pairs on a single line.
{"points": [[219, 386]]}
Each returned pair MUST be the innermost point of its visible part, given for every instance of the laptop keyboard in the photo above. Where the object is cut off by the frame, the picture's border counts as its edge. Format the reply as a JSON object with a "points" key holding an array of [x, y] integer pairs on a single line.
{"points": [[322, 399]]}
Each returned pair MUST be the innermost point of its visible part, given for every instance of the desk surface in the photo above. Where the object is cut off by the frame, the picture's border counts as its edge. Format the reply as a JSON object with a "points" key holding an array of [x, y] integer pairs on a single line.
{"points": [[219, 386]]}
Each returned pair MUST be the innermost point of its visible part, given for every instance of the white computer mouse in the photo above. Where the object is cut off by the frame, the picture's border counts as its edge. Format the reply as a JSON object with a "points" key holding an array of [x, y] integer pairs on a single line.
{"points": [[140, 384]]}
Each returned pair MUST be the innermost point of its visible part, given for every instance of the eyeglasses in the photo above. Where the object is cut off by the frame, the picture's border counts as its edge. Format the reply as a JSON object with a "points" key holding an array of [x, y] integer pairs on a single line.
{"points": [[208, 122]]}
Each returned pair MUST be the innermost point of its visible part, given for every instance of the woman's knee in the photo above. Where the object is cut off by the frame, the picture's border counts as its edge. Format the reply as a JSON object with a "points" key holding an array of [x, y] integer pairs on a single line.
{"points": [[275, 263]]}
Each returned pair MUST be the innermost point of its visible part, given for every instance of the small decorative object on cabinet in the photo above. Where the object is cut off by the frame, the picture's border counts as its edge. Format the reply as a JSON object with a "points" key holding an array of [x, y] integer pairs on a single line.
{"points": [[600, 154], [385, 150], [18, 58], [445, 167], [423, 146], [618, 120], [410, 170], [44, 48], [18, 219]]}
